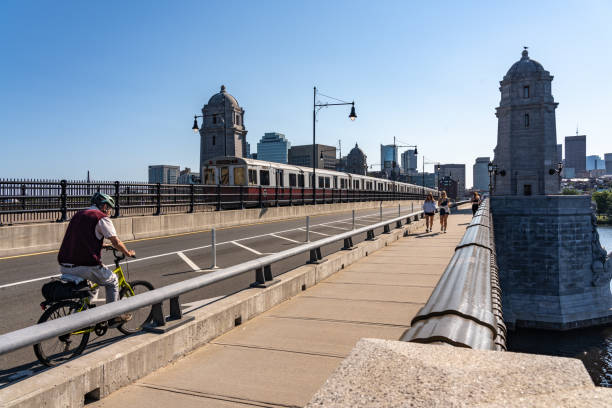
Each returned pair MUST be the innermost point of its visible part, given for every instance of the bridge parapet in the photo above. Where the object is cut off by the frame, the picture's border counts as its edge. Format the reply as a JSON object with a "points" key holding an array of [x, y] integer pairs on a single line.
{"points": [[465, 307]]}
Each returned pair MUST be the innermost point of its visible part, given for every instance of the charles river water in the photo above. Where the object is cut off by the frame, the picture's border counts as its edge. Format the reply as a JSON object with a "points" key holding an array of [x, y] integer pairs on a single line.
{"points": [[593, 345]]}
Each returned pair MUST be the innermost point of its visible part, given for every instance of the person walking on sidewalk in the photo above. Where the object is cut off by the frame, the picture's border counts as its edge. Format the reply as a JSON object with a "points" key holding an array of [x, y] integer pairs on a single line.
{"points": [[429, 208], [475, 202], [443, 204]]}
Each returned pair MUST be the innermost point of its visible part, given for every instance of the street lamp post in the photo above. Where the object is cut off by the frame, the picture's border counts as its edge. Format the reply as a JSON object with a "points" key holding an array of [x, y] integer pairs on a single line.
{"points": [[315, 108]]}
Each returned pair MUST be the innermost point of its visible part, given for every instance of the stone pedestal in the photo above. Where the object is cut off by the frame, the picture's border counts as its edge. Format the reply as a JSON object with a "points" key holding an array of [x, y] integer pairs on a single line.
{"points": [[553, 272]]}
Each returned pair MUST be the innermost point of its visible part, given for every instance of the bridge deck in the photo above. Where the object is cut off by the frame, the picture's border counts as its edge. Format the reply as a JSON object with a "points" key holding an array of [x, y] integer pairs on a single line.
{"points": [[282, 357]]}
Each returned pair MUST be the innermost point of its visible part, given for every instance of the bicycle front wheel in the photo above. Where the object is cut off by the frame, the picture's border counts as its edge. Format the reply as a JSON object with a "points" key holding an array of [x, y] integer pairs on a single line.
{"points": [[141, 316], [60, 349]]}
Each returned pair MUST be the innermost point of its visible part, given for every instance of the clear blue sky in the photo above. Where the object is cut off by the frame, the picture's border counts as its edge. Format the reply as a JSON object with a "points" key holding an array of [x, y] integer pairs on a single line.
{"points": [[113, 86]]}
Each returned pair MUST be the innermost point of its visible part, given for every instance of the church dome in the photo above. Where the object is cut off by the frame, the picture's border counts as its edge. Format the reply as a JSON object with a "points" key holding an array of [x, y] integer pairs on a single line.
{"points": [[356, 151], [218, 98], [524, 67]]}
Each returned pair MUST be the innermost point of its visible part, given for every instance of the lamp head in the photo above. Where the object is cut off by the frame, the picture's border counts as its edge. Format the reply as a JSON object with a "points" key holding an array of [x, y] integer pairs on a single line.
{"points": [[490, 167], [195, 125], [353, 115], [415, 150]]}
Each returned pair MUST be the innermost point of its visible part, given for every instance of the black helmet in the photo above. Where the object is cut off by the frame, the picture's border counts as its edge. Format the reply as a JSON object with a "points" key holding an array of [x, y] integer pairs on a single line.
{"points": [[100, 198]]}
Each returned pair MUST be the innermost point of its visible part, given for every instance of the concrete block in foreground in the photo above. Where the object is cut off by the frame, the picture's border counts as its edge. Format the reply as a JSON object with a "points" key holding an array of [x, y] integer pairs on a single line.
{"points": [[383, 373]]}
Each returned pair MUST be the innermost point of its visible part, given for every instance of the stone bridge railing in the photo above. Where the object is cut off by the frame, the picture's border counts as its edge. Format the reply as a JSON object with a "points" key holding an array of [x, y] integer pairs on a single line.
{"points": [[465, 308]]}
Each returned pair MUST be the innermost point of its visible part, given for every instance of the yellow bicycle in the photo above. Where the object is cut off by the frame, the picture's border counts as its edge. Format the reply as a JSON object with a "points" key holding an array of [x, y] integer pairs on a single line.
{"points": [[77, 298]]}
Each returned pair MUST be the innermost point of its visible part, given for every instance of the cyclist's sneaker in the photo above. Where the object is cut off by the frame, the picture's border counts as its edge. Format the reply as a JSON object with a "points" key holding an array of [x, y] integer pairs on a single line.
{"points": [[119, 320]]}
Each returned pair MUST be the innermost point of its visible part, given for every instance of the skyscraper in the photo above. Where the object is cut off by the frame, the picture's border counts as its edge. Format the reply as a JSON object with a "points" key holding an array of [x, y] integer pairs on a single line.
{"points": [[409, 160], [273, 147], [575, 154], [388, 157], [302, 156], [481, 174], [608, 161]]}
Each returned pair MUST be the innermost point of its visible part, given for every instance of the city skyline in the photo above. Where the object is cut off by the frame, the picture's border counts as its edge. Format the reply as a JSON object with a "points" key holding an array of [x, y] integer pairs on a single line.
{"points": [[129, 79]]}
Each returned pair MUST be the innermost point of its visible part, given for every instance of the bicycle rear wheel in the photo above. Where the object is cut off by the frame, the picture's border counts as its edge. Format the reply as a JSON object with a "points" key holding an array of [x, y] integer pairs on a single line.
{"points": [[59, 349], [141, 316]]}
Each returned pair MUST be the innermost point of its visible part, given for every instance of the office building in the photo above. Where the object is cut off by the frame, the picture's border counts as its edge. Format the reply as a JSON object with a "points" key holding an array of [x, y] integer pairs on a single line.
{"points": [[481, 174], [409, 161], [457, 173], [594, 162], [388, 157], [302, 156], [608, 162], [163, 174], [575, 154], [273, 147], [187, 177]]}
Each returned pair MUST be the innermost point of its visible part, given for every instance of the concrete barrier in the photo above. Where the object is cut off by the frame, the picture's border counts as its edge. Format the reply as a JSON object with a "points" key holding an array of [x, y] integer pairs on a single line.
{"points": [[31, 238], [99, 373]]}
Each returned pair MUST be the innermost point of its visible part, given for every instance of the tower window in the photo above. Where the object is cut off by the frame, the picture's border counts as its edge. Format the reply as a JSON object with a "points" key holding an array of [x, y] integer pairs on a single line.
{"points": [[214, 120], [526, 120], [214, 140], [525, 92]]}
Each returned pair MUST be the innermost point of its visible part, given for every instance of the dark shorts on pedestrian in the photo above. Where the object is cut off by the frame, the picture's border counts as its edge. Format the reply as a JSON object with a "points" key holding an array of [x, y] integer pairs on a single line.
{"points": [[429, 214], [442, 211]]}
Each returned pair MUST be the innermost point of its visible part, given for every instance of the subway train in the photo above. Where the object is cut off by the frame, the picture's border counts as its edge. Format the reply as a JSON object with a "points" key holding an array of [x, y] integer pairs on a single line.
{"points": [[287, 183]]}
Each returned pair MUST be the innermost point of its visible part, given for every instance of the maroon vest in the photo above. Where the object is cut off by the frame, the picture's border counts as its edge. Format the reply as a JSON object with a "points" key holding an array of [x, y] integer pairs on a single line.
{"points": [[80, 245]]}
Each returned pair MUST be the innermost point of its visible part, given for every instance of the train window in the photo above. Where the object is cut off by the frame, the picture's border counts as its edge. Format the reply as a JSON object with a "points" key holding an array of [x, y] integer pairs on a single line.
{"points": [[225, 175], [209, 176], [326, 182], [239, 179], [356, 184], [335, 181], [280, 178], [300, 180], [264, 177], [252, 176], [292, 180], [342, 184], [321, 182]]}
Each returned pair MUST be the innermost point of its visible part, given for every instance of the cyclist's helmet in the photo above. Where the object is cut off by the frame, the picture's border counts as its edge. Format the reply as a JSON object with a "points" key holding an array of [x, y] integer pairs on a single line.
{"points": [[100, 198]]}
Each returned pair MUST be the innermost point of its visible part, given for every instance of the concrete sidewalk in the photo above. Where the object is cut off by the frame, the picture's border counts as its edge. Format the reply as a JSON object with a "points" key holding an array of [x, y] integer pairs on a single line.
{"points": [[282, 357]]}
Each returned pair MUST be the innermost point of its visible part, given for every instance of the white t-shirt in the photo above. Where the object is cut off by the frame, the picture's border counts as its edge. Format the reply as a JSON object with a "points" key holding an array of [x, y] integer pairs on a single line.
{"points": [[104, 227]]}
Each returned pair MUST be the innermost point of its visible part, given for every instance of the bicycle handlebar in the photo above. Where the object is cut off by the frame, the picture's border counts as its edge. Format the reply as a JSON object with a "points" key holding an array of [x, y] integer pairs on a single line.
{"points": [[119, 256]]}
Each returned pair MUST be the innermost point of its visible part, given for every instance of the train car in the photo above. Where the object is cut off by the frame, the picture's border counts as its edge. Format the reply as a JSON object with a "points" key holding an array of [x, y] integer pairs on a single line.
{"points": [[248, 181]]}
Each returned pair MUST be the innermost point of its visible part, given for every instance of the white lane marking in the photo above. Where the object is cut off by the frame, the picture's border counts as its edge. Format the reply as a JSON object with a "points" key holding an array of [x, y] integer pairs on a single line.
{"points": [[28, 281], [188, 261], [331, 226], [286, 239], [247, 248], [315, 232], [391, 212], [350, 223]]}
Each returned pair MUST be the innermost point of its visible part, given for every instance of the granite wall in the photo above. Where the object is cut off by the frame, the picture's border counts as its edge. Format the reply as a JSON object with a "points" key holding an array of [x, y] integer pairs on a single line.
{"points": [[553, 272]]}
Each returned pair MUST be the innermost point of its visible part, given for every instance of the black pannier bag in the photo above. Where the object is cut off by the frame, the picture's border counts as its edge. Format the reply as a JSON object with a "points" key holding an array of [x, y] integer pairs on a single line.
{"points": [[58, 289]]}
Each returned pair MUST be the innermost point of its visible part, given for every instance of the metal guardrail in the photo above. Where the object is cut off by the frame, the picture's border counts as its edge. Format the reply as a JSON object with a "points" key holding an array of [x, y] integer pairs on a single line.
{"points": [[465, 307], [57, 200], [263, 277]]}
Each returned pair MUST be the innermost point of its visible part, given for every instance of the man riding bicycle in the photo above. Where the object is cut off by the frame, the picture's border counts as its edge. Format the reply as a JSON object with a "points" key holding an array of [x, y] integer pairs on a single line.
{"points": [[81, 251]]}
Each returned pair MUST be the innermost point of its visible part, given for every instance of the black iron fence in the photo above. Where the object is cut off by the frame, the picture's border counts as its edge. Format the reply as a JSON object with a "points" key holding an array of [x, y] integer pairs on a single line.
{"points": [[25, 201]]}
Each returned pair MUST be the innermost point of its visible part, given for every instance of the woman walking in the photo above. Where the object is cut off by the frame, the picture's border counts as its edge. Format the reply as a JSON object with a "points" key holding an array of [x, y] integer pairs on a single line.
{"points": [[429, 208], [444, 203], [475, 203]]}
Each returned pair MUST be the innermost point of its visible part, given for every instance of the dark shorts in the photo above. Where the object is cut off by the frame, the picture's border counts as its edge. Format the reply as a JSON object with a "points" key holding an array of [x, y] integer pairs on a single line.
{"points": [[429, 214], [442, 211]]}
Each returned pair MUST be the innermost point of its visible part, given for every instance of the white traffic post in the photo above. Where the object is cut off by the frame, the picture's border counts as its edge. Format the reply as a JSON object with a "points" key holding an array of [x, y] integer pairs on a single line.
{"points": [[353, 219], [214, 248], [381, 210], [308, 228]]}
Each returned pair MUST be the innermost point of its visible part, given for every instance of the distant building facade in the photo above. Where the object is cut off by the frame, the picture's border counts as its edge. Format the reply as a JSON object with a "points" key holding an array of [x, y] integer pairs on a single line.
{"points": [[594, 162], [456, 172], [302, 156], [449, 185], [273, 147], [222, 132], [388, 157], [409, 161], [481, 174], [164, 174], [187, 177], [559, 153], [608, 162], [575, 154], [356, 161]]}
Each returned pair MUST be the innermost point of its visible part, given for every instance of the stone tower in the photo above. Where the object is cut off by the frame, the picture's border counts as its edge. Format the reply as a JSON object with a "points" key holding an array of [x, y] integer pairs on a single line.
{"points": [[526, 149], [222, 132], [553, 272]]}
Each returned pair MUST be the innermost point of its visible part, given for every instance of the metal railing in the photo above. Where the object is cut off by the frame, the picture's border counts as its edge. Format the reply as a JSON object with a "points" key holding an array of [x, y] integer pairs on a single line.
{"points": [[465, 307], [48, 200], [263, 276]]}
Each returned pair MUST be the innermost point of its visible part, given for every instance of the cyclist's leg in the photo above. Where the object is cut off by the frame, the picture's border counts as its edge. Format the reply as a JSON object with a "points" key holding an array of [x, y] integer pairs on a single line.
{"points": [[105, 277]]}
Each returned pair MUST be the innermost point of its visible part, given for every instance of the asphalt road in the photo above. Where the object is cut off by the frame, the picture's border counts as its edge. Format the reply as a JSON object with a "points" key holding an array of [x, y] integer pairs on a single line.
{"points": [[166, 260]]}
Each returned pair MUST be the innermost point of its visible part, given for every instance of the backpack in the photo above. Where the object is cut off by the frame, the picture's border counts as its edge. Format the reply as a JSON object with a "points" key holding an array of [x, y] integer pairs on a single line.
{"points": [[58, 289]]}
